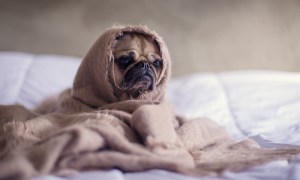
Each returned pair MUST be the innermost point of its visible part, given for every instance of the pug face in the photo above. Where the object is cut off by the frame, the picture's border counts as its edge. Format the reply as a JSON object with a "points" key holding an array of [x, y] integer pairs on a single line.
{"points": [[138, 64]]}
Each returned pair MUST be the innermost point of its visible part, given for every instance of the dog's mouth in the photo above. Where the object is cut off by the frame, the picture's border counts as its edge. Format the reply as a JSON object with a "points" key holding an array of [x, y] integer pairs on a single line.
{"points": [[143, 83], [137, 81]]}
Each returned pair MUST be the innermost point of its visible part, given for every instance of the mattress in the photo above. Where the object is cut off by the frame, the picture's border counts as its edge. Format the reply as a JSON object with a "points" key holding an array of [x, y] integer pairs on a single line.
{"points": [[263, 105]]}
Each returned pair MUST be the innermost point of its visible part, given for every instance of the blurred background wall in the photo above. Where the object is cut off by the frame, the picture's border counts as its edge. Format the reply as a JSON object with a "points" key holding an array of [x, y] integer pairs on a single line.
{"points": [[211, 35]]}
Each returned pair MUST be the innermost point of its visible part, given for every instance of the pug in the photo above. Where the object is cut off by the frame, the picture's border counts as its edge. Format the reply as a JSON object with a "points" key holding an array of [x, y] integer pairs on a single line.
{"points": [[138, 64]]}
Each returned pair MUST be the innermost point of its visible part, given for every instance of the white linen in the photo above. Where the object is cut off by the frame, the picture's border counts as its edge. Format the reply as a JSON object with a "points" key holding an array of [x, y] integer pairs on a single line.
{"points": [[27, 79], [264, 105]]}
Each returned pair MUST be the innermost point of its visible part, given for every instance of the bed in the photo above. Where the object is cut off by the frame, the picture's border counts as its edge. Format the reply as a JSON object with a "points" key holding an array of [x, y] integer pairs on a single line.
{"points": [[264, 105]]}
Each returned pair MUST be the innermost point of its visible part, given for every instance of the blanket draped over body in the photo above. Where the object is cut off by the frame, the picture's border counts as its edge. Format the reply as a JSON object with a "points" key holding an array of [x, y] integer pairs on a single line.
{"points": [[95, 125]]}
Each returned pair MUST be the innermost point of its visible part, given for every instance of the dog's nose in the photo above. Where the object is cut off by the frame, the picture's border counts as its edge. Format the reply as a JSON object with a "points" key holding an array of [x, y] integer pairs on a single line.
{"points": [[144, 65]]}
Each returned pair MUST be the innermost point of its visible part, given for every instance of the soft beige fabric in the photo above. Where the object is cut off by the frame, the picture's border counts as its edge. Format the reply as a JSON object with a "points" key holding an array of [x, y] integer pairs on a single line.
{"points": [[88, 127]]}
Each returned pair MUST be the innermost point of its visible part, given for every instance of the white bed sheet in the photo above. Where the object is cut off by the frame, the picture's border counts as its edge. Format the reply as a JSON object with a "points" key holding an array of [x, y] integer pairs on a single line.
{"points": [[264, 105]]}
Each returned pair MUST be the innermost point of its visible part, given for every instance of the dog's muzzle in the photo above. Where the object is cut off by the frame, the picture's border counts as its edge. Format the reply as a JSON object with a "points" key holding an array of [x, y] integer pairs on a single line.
{"points": [[140, 77]]}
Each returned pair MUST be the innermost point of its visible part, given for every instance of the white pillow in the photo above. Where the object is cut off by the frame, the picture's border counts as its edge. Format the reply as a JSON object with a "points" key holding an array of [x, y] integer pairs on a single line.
{"points": [[28, 79]]}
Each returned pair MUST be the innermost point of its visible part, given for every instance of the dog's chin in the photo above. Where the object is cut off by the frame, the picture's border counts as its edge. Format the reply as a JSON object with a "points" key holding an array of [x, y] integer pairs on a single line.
{"points": [[140, 86]]}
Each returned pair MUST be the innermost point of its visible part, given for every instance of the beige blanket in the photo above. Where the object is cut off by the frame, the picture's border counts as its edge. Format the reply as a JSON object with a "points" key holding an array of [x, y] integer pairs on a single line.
{"points": [[95, 126]]}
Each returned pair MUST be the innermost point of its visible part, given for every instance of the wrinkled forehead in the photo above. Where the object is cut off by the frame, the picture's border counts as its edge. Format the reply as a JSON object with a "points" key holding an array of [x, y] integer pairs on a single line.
{"points": [[136, 42]]}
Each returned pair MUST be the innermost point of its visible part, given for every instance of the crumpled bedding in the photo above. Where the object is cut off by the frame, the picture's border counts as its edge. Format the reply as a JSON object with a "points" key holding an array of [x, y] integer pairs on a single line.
{"points": [[261, 104]]}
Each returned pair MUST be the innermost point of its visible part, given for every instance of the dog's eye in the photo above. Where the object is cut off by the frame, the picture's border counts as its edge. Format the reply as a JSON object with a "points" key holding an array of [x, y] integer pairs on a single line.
{"points": [[158, 63], [124, 61]]}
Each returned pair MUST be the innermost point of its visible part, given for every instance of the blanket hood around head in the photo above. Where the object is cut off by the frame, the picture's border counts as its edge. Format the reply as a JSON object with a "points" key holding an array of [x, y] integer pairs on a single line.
{"points": [[94, 82]]}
